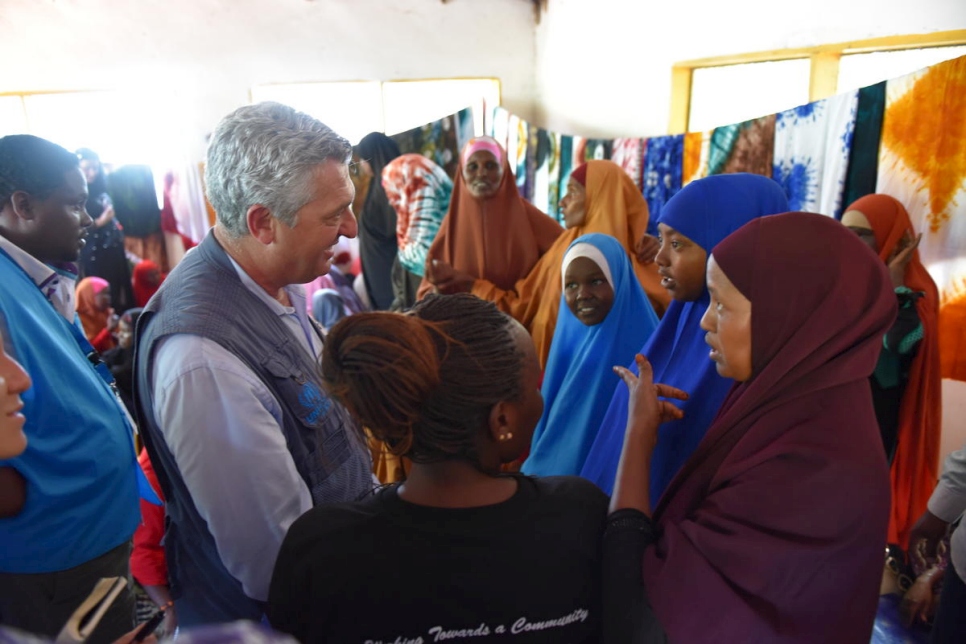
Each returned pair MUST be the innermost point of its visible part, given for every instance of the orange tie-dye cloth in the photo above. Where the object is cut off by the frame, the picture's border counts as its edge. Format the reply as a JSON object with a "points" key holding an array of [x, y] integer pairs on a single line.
{"points": [[696, 150], [922, 163]]}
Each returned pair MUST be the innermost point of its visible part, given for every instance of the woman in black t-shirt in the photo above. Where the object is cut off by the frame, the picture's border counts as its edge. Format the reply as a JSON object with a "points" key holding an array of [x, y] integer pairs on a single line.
{"points": [[457, 552]]}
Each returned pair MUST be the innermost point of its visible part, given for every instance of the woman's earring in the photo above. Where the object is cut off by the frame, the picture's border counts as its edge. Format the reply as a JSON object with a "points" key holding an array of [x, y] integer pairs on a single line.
{"points": [[506, 437]]}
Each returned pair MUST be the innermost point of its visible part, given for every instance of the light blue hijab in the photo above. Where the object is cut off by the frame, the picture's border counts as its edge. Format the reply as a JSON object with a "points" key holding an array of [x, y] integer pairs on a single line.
{"points": [[579, 378], [705, 211]]}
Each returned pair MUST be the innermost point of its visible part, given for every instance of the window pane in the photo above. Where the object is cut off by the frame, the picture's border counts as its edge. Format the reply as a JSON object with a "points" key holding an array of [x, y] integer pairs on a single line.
{"points": [[409, 104], [860, 70], [12, 118], [352, 109], [735, 93], [122, 127]]}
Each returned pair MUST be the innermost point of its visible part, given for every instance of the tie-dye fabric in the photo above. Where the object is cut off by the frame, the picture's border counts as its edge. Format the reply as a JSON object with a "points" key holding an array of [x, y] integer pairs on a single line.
{"points": [[566, 156], [541, 159], [662, 171], [922, 163], [743, 147], [864, 156], [533, 140], [629, 154], [518, 139], [553, 173], [578, 150], [598, 149], [697, 146], [812, 145], [498, 126], [439, 141]]}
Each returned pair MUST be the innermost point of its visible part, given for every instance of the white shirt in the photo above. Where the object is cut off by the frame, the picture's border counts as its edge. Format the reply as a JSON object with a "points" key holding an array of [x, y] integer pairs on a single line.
{"points": [[948, 502], [57, 286], [223, 427]]}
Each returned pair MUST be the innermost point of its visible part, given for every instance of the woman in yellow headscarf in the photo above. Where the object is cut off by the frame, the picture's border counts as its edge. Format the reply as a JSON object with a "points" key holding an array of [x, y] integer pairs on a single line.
{"points": [[601, 198]]}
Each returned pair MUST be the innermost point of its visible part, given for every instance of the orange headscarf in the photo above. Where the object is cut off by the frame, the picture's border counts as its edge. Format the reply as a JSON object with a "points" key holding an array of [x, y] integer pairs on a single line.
{"points": [[614, 207], [914, 469], [498, 239], [92, 318]]}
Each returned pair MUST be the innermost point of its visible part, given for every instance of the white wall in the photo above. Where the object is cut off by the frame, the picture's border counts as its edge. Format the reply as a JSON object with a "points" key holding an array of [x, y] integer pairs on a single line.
{"points": [[203, 56], [604, 66]]}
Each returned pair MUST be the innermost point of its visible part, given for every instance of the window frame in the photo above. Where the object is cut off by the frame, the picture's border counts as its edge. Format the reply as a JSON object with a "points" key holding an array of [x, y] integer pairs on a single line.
{"points": [[824, 66]]}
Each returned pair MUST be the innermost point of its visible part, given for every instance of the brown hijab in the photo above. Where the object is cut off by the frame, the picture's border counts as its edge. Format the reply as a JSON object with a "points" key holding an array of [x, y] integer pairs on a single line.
{"points": [[498, 239], [775, 527]]}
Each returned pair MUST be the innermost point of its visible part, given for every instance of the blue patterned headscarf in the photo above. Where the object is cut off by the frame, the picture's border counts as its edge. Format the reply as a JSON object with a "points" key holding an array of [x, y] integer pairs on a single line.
{"points": [[705, 211], [579, 379]]}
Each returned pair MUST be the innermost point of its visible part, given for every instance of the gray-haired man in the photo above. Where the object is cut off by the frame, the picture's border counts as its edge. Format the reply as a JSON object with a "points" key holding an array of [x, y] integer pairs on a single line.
{"points": [[235, 420]]}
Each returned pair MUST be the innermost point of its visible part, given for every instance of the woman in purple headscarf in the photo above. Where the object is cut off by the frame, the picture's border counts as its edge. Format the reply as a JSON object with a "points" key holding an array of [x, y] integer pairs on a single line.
{"points": [[774, 529]]}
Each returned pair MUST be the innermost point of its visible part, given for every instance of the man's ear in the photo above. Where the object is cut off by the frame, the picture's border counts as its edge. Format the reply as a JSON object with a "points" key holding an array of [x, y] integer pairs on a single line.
{"points": [[261, 224], [22, 204]]}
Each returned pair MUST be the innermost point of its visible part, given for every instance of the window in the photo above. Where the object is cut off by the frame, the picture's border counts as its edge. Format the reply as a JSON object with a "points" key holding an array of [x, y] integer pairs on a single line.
{"points": [[710, 92], [13, 118], [860, 70], [122, 127], [356, 108], [352, 109], [735, 93]]}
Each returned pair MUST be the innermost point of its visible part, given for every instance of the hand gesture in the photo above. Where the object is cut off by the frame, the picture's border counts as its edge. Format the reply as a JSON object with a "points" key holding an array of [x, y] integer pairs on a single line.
{"points": [[646, 249], [645, 411], [901, 257], [925, 537], [447, 279]]}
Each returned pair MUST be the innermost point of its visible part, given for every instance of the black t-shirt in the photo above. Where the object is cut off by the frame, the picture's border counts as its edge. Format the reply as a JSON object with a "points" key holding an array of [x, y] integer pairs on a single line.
{"points": [[383, 570]]}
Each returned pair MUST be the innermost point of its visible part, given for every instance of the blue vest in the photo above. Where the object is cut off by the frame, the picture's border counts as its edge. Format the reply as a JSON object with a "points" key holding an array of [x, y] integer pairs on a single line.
{"points": [[203, 296], [80, 465]]}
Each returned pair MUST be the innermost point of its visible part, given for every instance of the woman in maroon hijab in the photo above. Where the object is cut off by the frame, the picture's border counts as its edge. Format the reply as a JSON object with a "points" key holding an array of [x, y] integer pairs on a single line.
{"points": [[774, 530]]}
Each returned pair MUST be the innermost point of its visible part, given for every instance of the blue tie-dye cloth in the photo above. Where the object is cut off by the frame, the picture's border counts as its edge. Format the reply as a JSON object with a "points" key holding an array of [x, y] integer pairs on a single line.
{"points": [[812, 147], [663, 166]]}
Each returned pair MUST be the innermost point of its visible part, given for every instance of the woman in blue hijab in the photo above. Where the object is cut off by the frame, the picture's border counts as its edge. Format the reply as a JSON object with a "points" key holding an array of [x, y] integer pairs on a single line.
{"points": [[695, 219], [604, 317]]}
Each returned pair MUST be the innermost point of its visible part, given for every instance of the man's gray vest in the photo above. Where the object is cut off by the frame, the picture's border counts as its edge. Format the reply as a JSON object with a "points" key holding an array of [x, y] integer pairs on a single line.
{"points": [[203, 296]]}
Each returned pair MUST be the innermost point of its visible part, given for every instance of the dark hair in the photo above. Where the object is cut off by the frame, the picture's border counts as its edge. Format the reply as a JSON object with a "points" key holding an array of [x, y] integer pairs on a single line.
{"points": [[33, 165], [378, 149], [98, 186], [425, 382]]}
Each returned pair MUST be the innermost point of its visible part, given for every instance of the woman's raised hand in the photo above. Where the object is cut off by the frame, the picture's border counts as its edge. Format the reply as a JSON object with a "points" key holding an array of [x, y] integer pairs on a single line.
{"points": [[645, 409]]}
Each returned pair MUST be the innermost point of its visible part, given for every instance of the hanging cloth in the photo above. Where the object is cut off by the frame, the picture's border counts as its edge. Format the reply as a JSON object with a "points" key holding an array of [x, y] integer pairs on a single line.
{"points": [[812, 147]]}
